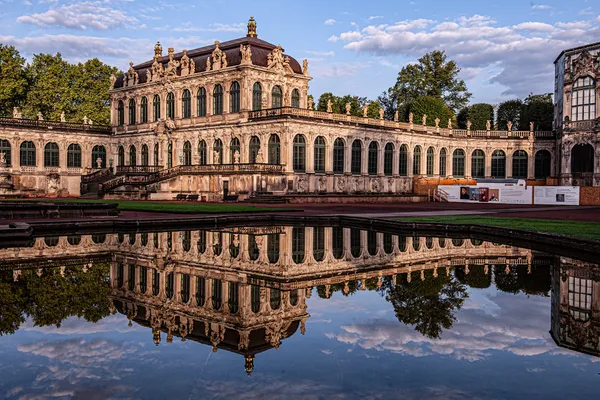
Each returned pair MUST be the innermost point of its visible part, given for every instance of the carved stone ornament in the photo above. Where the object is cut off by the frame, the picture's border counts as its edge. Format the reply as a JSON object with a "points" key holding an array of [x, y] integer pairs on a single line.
{"points": [[365, 110], [348, 106], [381, 112], [246, 54], [584, 65], [185, 64], [219, 58], [437, 122], [424, 119], [132, 75], [113, 79], [509, 125], [157, 70], [16, 113], [305, 67], [277, 62], [410, 118], [302, 184], [172, 65], [40, 117], [341, 184], [322, 183], [158, 50], [468, 125], [236, 157], [329, 106], [449, 123], [488, 125], [259, 157], [376, 185], [396, 116], [310, 103]]}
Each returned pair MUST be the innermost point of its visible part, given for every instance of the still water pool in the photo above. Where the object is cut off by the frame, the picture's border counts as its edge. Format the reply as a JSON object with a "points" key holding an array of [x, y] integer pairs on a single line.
{"points": [[295, 312]]}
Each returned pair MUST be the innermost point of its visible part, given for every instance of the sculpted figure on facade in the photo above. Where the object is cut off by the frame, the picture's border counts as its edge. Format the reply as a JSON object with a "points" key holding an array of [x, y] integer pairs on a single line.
{"points": [[185, 64], [468, 125], [172, 65], [396, 116], [310, 103], [208, 64], [236, 157], [509, 125], [40, 117], [302, 184], [322, 183], [348, 108], [376, 185], [157, 69], [112, 79], [531, 126], [148, 76], [2, 159], [584, 65], [329, 106], [99, 162], [341, 184], [365, 111], [449, 123], [16, 113], [305, 67], [219, 58], [259, 157], [157, 50], [132, 75], [246, 54], [170, 124], [85, 120], [437, 122], [424, 119], [488, 125], [277, 62], [381, 112]]}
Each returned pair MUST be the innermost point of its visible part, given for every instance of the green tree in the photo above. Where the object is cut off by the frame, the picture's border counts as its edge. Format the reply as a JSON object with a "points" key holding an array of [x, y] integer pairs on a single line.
{"points": [[478, 114], [509, 110], [539, 109], [13, 79], [389, 102], [433, 107], [373, 110], [433, 76], [323, 101]]}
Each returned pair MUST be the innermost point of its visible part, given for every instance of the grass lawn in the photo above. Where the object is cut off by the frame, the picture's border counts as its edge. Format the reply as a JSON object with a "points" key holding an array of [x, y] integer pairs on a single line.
{"points": [[168, 207], [587, 230]]}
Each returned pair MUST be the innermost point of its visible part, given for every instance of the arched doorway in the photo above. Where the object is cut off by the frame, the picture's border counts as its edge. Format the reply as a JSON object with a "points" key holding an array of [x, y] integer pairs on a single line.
{"points": [[582, 164]]}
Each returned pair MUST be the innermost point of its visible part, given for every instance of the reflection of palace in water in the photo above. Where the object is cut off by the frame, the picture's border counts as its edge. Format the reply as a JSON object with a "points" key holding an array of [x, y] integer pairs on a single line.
{"points": [[244, 289]]}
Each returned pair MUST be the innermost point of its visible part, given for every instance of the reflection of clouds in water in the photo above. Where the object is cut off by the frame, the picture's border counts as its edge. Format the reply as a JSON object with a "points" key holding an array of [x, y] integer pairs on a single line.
{"points": [[79, 326], [519, 325]]}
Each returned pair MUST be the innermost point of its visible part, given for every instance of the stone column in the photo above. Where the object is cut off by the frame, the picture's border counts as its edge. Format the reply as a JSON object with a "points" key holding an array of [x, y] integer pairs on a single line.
{"points": [[329, 157], [488, 164], [509, 163], [468, 172], [380, 156], [310, 155], [364, 168]]}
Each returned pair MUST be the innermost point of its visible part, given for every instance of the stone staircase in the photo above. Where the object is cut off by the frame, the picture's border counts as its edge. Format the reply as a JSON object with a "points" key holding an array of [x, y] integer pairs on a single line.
{"points": [[266, 198], [90, 183]]}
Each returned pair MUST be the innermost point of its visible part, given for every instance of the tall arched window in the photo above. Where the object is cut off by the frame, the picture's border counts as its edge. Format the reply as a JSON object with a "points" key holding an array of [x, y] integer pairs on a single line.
{"points": [[170, 105], [478, 164], [373, 158], [201, 102], [120, 113], [319, 243], [274, 150], [187, 153], [542, 164], [430, 156], [583, 105], [132, 112], [458, 163], [234, 97], [156, 108], [156, 154], [51, 155], [276, 97], [132, 156], [296, 98], [256, 97], [202, 152], [298, 244], [121, 156], [339, 149], [253, 148], [417, 161], [170, 155], [186, 104], [273, 247], [234, 146], [319, 154], [403, 160], [218, 152], [144, 110], [299, 154], [498, 164], [218, 100], [519, 167], [6, 150], [74, 156], [356, 160], [443, 172], [388, 159], [145, 156]]}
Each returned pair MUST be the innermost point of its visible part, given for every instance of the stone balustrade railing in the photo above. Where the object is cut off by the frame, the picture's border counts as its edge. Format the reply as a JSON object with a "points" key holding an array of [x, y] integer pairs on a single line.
{"points": [[49, 125]]}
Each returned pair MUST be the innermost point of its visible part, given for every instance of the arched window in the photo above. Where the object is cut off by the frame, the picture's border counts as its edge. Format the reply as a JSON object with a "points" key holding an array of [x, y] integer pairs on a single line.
{"points": [[273, 247], [74, 156], [187, 153], [582, 159], [274, 150], [132, 112], [201, 102], [519, 168], [372, 243], [498, 164], [355, 239], [234, 146], [443, 172], [170, 106], [542, 164], [403, 160], [120, 113], [274, 298], [478, 164], [458, 163], [156, 154], [337, 242], [339, 149], [253, 148], [218, 152], [356, 160], [417, 161], [319, 243], [121, 157], [430, 156], [156, 108], [186, 104], [202, 152], [583, 105], [145, 156], [28, 156], [6, 150], [143, 110], [51, 155], [170, 155], [234, 97], [388, 159], [298, 244], [218, 100], [296, 98], [256, 97], [373, 158], [132, 155], [320, 154], [276, 97], [299, 153]]}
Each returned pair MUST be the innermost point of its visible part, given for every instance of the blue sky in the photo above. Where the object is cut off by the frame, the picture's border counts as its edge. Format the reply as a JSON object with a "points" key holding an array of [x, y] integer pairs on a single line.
{"points": [[505, 47]]}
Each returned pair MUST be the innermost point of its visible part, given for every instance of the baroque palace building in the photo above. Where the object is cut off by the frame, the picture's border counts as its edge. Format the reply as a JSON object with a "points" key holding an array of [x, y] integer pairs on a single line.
{"points": [[233, 120]]}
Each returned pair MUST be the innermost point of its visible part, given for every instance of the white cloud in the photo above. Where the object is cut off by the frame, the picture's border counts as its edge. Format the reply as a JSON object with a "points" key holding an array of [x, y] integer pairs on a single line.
{"points": [[330, 21], [541, 7], [534, 26], [586, 11], [81, 16], [371, 18], [573, 25], [321, 53]]}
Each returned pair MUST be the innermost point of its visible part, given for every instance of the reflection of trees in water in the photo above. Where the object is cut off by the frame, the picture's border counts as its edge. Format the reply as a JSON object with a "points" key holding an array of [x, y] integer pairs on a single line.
{"points": [[536, 281], [475, 278], [50, 298], [427, 304]]}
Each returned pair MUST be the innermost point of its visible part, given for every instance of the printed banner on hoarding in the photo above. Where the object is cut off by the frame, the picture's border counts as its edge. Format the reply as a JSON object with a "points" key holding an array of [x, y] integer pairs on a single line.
{"points": [[509, 193], [557, 195]]}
